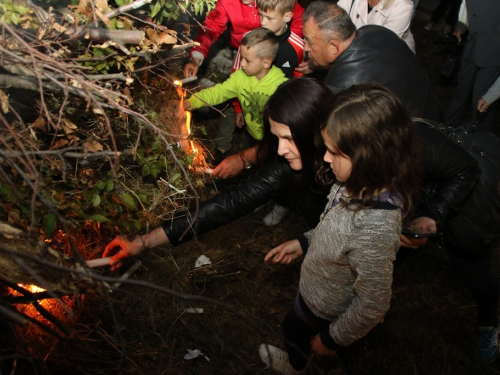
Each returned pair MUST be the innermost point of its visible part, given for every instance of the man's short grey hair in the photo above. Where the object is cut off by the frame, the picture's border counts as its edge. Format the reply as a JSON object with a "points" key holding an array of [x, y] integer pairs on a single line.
{"points": [[332, 20]]}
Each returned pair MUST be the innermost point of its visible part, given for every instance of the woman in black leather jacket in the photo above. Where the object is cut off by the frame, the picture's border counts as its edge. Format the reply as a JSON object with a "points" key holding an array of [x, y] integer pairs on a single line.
{"points": [[299, 105]]}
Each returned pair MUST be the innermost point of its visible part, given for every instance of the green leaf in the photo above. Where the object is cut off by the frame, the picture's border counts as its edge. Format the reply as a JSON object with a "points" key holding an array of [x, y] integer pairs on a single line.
{"points": [[175, 177], [111, 185], [101, 185], [129, 201], [96, 200], [98, 218], [49, 225], [156, 8], [5, 192]]}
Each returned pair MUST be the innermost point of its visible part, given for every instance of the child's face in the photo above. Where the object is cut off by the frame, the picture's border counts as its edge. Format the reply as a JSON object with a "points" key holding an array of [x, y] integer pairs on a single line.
{"points": [[274, 20], [252, 64], [286, 146], [341, 164]]}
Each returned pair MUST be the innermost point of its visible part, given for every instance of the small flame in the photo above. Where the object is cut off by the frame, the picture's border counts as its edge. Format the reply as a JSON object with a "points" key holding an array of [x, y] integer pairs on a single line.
{"points": [[32, 288]]}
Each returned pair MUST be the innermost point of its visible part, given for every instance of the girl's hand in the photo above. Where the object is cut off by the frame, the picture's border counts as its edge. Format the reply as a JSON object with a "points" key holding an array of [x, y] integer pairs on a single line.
{"points": [[482, 105], [318, 347], [285, 253], [424, 224], [123, 247]]}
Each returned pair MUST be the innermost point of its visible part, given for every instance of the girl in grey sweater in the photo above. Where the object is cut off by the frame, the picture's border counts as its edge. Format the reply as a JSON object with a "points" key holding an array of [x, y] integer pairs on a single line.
{"points": [[346, 274]]}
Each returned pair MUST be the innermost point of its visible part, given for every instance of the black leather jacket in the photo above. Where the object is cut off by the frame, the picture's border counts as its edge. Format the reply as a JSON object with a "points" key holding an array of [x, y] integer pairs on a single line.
{"points": [[273, 180], [378, 55], [450, 175]]}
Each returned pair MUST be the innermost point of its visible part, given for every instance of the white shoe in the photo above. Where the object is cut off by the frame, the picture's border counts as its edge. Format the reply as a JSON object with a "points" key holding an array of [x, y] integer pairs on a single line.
{"points": [[276, 215], [277, 359]]}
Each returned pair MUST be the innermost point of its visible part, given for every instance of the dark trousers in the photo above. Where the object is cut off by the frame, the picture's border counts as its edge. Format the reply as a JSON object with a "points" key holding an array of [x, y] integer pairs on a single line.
{"points": [[476, 81], [299, 333], [478, 276], [443, 5]]}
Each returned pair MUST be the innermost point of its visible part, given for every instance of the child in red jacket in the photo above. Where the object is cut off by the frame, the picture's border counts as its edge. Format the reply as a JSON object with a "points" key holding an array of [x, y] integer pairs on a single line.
{"points": [[243, 16]]}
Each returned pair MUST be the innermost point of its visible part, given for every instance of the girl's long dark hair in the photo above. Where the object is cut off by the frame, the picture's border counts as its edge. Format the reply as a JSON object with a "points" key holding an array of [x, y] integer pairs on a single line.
{"points": [[372, 127], [302, 105]]}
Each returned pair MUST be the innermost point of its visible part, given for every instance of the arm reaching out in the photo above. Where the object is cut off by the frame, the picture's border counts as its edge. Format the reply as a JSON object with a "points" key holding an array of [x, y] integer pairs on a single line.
{"points": [[125, 246], [285, 253]]}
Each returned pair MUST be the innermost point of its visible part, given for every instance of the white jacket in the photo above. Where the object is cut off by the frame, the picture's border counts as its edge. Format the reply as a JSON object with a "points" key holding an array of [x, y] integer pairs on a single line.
{"points": [[397, 17]]}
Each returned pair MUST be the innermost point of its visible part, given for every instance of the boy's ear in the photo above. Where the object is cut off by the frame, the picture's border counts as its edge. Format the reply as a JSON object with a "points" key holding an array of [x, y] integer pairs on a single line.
{"points": [[287, 17], [267, 63]]}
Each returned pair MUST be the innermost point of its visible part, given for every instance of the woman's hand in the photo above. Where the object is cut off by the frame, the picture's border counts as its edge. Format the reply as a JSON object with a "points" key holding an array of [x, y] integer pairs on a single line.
{"points": [[318, 347], [420, 224], [285, 253], [123, 247]]}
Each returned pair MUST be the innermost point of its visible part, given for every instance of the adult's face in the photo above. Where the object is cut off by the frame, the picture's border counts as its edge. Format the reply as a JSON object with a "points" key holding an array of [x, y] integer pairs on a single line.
{"points": [[286, 146], [319, 51]]}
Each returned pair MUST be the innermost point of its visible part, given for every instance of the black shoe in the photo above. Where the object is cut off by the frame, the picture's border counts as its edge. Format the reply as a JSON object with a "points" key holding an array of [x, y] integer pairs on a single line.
{"points": [[218, 157]]}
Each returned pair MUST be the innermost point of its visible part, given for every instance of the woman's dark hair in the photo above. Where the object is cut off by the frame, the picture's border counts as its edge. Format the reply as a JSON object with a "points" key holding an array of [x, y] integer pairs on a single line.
{"points": [[300, 104], [372, 127]]}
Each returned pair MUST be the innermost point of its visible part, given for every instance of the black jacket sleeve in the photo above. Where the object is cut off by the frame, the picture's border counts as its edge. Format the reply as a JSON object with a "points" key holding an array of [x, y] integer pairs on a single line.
{"points": [[270, 181], [450, 175]]}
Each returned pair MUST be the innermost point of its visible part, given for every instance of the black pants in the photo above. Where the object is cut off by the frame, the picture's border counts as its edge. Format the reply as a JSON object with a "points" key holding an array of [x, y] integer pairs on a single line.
{"points": [[479, 277], [299, 333]]}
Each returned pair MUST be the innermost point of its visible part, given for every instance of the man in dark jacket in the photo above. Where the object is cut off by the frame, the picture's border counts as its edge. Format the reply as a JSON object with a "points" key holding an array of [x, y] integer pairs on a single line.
{"points": [[370, 54]]}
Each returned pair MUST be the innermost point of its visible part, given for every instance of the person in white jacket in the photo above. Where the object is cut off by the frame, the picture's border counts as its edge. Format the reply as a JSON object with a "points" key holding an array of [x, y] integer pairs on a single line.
{"points": [[396, 15]]}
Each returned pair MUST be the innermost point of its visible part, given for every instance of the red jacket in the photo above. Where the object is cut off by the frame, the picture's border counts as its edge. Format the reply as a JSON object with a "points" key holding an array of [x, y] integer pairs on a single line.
{"points": [[243, 18]]}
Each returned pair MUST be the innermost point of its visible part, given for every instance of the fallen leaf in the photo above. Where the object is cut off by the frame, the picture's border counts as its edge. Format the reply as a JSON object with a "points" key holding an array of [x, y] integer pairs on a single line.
{"points": [[4, 102], [39, 124], [92, 145], [59, 144], [166, 38], [68, 126]]}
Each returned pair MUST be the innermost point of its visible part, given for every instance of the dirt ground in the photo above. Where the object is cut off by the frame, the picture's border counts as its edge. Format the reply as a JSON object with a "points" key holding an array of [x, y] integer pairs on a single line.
{"points": [[430, 328]]}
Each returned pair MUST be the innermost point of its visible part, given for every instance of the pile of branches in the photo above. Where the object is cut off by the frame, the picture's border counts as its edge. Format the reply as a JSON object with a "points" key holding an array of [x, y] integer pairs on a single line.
{"points": [[77, 148]]}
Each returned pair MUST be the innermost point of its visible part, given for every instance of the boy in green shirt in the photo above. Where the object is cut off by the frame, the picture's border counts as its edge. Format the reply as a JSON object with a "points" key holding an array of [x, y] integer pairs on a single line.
{"points": [[253, 84]]}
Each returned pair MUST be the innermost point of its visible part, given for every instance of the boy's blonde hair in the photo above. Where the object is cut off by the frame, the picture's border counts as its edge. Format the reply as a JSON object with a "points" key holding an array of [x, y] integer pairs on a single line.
{"points": [[264, 41], [282, 6]]}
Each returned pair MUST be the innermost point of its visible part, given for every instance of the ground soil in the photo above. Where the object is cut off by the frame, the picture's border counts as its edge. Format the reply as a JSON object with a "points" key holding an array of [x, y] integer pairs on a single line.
{"points": [[430, 328]]}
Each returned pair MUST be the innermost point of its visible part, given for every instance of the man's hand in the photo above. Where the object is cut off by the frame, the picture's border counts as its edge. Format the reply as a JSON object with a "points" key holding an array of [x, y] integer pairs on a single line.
{"points": [[458, 34], [285, 253], [191, 68], [318, 347], [240, 121], [423, 224], [482, 105], [229, 167], [123, 247]]}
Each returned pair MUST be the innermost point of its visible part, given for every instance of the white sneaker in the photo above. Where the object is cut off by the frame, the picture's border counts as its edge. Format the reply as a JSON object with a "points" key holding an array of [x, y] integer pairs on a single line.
{"points": [[277, 359], [276, 215]]}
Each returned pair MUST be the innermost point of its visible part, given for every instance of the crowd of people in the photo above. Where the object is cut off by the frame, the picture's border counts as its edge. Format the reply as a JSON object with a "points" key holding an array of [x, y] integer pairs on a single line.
{"points": [[346, 154]]}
